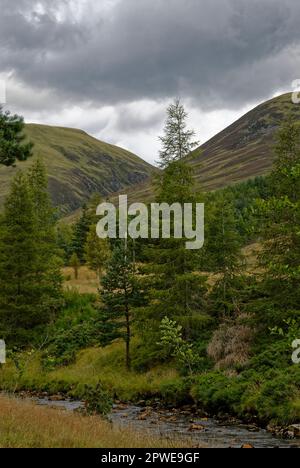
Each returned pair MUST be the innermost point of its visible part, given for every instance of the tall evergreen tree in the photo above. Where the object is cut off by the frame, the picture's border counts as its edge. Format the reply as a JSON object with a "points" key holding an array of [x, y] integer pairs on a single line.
{"points": [[30, 280], [223, 255], [121, 295], [97, 251], [13, 146], [80, 233], [177, 141], [280, 227], [19, 311], [177, 291]]}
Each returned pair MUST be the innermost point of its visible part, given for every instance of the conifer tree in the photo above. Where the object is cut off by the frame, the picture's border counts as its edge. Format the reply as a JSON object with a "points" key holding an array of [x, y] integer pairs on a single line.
{"points": [[223, 254], [176, 290], [121, 295], [177, 141], [80, 234], [96, 251], [30, 279], [13, 146], [19, 310], [280, 222]]}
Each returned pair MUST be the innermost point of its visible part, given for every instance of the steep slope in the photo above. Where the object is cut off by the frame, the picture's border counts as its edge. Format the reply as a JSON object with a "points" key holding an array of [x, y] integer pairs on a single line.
{"points": [[78, 165], [244, 149]]}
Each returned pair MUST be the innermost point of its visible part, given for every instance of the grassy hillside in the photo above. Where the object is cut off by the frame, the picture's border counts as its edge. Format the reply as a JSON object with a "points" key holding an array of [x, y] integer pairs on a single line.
{"points": [[78, 166], [244, 149]]}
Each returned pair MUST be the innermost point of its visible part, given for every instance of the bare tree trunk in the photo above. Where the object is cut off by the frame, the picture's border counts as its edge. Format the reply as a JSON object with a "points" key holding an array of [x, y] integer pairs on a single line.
{"points": [[128, 339]]}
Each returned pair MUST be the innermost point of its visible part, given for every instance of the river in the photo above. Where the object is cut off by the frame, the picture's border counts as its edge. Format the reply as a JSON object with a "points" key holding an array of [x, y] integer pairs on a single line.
{"points": [[184, 425]]}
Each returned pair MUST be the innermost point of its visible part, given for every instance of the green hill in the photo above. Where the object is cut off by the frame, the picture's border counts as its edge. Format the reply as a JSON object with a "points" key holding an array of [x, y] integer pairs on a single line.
{"points": [[244, 149], [78, 165]]}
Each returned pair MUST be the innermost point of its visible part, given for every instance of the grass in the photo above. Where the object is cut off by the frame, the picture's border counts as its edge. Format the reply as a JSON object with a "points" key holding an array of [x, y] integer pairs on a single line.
{"points": [[26, 425], [87, 282], [93, 364], [78, 166]]}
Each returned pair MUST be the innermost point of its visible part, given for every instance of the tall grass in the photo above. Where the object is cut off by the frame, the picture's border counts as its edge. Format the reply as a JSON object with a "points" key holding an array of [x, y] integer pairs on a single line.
{"points": [[25, 425]]}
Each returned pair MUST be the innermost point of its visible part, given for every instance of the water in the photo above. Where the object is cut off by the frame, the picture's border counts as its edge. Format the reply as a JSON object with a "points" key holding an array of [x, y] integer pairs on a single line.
{"points": [[176, 424]]}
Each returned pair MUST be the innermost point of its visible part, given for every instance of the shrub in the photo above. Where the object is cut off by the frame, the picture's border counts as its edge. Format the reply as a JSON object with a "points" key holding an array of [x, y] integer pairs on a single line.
{"points": [[176, 392], [230, 346], [97, 399]]}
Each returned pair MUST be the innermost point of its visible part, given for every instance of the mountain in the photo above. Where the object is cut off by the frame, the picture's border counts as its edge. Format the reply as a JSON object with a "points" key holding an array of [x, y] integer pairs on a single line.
{"points": [[78, 165], [244, 149]]}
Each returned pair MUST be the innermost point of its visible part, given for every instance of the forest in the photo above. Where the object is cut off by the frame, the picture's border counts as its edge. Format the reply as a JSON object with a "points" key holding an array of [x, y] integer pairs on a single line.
{"points": [[212, 327]]}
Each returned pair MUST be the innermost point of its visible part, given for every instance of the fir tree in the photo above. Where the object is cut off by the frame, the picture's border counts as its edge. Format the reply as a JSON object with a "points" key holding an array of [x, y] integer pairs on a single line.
{"points": [[121, 295], [96, 251], [13, 146], [177, 141], [80, 233], [30, 280], [280, 222], [223, 255], [176, 289]]}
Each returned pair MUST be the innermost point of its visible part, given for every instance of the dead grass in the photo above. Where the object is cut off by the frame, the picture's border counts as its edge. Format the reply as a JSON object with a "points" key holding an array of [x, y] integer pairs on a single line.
{"points": [[87, 282], [230, 345], [26, 425]]}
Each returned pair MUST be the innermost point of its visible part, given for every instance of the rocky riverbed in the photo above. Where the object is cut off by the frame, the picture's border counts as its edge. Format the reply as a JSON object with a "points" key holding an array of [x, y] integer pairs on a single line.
{"points": [[185, 424]]}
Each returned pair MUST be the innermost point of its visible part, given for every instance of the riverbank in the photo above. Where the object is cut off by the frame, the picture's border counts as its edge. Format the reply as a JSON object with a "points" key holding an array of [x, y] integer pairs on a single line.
{"points": [[25, 425], [254, 398]]}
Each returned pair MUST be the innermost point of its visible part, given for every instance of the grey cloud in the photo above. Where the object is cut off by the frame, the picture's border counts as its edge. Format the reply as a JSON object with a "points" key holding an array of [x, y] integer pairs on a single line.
{"points": [[218, 53]]}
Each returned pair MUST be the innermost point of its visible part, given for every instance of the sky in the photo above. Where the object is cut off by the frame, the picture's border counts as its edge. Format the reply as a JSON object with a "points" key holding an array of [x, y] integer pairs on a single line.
{"points": [[111, 67]]}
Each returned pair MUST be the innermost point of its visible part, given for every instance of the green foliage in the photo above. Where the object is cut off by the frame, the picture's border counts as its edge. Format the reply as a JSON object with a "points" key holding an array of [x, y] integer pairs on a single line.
{"points": [[30, 276], [172, 279], [172, 342], [64, 236], [98, 400], [175, 392], [97, 251], [12, 145], [76, 328], [177, 140], [80, 234], [121, 295]]}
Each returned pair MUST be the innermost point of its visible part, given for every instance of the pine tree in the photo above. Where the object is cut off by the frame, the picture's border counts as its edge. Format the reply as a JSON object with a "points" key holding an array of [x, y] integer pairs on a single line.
{"points": [[177, 291], [19, 309], [80, 233], [121, 295], [177, 140], [13, 146], [30, 279], [223, 255], [280, 222], [48, 262], [64, 238], [96, 251]]}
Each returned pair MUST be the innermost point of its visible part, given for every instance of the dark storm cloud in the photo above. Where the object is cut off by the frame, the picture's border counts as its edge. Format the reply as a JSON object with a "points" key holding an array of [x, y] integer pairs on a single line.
{"points": [[221, 53]]}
